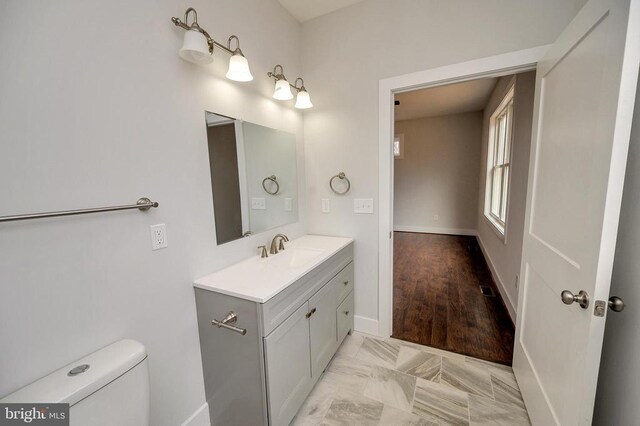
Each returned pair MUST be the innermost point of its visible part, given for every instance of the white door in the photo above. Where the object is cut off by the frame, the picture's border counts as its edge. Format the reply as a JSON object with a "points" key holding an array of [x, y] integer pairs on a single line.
{"points": [[584, 103]]}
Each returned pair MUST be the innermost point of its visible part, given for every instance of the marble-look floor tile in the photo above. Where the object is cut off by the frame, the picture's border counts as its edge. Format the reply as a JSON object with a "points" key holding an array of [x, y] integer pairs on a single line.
{"points": [[506, 391], [503, 381], [485, 412], [429, 349], [379, 352], [419, 363], [491, 367], [351, 409], [465, 377], [394, 417], [316, 405], [441, 403], [391, 387], [348, 373], [351, 344]]}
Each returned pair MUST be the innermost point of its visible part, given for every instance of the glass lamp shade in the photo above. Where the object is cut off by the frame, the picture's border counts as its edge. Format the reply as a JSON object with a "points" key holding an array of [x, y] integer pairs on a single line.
{"points": [[303, 100], [282, 91], [195, 48], [239, 68]]}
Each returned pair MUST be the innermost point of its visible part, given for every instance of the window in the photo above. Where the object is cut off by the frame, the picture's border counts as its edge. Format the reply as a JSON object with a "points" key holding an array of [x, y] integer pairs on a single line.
{"points": [[498, 164], [398, 147]]}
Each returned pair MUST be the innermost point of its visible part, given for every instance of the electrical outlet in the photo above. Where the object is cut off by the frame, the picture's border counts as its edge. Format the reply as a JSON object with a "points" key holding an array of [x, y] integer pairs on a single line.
{"points": [[363, 205], [288, 204], [158, 236], [436, 217], [258, 204], [326, 205]]}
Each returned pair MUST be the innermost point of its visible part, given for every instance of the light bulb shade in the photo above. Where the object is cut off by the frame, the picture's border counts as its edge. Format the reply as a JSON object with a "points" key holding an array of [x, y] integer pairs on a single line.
{"points": [[282, 91], [303, 100], [239, 68], [195, 48]]}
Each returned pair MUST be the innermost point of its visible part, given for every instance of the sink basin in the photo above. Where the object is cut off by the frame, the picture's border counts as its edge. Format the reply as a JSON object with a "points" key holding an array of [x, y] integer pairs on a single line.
{"points": [[293, 257]]}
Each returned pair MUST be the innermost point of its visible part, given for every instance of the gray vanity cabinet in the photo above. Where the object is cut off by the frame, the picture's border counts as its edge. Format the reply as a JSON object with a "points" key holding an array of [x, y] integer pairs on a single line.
{"points": [[263, 377]]}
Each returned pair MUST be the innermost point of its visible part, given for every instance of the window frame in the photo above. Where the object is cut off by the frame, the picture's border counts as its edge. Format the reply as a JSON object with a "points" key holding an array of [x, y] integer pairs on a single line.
{"points": [[505, 108]]}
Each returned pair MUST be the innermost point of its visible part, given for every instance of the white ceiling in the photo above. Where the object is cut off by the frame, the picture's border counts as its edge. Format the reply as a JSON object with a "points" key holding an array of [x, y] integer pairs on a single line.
{"points": [[303, 10], [451, 99]]}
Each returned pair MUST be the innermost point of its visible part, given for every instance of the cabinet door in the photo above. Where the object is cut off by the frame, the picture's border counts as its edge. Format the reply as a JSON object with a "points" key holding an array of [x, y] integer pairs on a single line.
{"points": [[322, 307], [288, 368]]}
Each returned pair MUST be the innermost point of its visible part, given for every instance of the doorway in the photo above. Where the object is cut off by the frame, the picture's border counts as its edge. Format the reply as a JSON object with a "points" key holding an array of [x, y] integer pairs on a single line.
{"points": [[461, 156]]}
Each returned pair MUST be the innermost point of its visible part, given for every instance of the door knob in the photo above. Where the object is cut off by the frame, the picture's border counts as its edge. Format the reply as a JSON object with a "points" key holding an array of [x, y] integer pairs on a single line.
{"points": [[582, 298], [616, 304]]}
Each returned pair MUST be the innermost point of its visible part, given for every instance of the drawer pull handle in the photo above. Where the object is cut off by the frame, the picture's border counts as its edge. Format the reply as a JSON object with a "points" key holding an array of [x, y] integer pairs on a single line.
{"points": [[346, 282], [231, 318], [311, 312], [346, 313]]}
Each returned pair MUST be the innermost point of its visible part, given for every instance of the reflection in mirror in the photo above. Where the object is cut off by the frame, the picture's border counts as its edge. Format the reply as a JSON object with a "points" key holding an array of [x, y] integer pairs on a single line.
{"points": [[253, 177]]}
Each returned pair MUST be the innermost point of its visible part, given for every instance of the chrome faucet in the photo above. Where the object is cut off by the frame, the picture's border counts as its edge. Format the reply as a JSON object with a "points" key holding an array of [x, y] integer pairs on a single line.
{"points": [[275, 247]]}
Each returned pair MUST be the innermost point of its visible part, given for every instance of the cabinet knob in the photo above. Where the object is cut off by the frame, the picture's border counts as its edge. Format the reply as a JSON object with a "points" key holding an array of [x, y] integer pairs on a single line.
{"points": [[346, 313], [311, 312], [346, 282]]}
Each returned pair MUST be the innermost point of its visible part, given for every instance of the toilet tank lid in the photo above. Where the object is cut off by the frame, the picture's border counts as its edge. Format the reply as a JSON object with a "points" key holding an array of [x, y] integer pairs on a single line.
{"points": [[105, 365]]}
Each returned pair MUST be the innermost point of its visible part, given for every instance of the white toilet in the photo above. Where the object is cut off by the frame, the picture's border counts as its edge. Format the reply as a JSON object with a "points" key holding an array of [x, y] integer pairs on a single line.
{"points": [[108, 387]]}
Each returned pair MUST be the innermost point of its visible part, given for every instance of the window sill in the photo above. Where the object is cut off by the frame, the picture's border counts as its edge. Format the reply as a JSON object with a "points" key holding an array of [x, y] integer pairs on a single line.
{"points": [[495, 227]]}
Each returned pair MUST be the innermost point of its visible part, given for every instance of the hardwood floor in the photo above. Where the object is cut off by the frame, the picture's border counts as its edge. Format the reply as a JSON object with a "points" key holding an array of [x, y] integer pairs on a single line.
{"points": [[437, 299]]}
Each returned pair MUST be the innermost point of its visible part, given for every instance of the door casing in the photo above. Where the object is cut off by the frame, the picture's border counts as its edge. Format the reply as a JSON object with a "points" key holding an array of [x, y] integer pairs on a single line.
{"points": [[492, 66]]}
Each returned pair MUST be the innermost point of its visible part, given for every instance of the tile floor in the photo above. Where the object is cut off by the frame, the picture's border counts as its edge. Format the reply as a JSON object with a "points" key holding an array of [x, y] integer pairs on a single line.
{"points": [[390, 382]]}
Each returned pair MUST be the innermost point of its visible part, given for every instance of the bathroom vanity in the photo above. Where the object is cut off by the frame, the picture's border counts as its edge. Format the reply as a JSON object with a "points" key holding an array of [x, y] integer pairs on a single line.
{"points": [[269, 327]]}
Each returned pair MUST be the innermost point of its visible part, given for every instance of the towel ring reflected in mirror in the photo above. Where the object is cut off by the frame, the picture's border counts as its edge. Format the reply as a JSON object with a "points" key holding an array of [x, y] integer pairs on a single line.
{"points": [[340, 176], [273, 179]]}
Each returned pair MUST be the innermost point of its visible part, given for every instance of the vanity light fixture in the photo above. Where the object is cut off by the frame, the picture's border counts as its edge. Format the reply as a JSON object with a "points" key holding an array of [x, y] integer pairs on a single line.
{"points": [[198, 48], [303, 100], [282, 90]]}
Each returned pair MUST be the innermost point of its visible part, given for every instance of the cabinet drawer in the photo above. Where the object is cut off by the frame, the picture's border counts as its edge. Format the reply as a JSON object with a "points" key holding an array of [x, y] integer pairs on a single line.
{"points": [[344, 315], [345, 282]]}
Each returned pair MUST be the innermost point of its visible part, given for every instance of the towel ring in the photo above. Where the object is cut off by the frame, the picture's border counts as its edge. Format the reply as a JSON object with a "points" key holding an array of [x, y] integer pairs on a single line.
{"points": [[340, 176], [272, 178]]}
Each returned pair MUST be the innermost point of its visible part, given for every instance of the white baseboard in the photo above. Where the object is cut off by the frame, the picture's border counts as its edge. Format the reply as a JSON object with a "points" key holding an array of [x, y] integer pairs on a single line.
{"points": [[500, 284], [434, 230], [199, 418], [366, 325]]}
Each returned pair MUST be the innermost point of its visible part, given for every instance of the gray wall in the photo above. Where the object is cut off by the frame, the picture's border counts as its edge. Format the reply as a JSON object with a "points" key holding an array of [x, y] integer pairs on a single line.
{"points": [[618, 383], [98, 109], [342, 69], [504, 257], [439, 174]]}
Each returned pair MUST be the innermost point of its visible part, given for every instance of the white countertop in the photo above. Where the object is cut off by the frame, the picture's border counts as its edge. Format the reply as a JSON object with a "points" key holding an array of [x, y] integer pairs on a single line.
{"points": [[259, 279]]}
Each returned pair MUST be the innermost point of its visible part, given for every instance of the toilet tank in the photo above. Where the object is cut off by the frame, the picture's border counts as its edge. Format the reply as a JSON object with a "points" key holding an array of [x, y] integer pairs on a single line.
{"points": [[112, 390]]}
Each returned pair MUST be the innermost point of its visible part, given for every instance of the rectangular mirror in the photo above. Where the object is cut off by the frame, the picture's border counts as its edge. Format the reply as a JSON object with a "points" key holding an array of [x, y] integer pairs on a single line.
{"points": [[253, 177]]}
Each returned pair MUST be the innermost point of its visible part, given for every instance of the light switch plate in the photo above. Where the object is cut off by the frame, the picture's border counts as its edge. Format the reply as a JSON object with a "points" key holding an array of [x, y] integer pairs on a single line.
{"points": [[326, 205], [288, 204], [158, 236], [258, 204], [363, 205]]}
